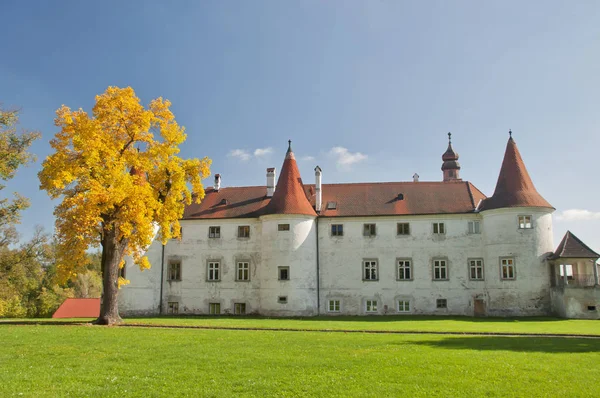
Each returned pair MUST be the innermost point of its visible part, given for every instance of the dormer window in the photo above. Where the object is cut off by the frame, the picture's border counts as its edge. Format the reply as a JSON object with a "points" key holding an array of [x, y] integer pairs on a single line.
{"points": [[331, 205]]}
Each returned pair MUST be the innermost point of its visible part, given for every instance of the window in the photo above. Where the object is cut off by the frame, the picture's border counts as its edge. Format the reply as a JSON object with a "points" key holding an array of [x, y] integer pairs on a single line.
{"points": [[507, 266], [334, 306], [371, 306], [239, 308], [369, 230], [441, 303], [568, 268], [337, 230], [122, 271], [214, 308], [214, 273], [403, 306], [403, 228], [174, 271], [214, 232], [476, 269], [284, 273], [243, 271], [331, 205], [591, 308], [525, 222], [440, 270], [180, 232], [404, 270], [283, 227], [474, 227], [439, 228], [370, 270], [244, 231], [173, 307], [282, 299]]}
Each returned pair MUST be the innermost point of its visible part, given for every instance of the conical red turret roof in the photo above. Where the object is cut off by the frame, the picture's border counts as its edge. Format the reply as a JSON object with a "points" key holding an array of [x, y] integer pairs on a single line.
{"points": [[514, 187], [290, 196]]}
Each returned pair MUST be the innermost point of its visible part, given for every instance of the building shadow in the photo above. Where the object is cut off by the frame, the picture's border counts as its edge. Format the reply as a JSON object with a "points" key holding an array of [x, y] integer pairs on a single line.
{"points": [[517, 344]]}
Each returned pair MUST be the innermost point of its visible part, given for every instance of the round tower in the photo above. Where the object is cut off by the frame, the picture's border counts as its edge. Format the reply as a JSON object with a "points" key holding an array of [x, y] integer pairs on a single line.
{"points": [[288, 274], [517, 234], [450, 167]]}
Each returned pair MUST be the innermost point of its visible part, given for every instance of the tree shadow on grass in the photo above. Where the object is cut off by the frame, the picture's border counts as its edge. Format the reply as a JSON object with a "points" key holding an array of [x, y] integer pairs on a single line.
{"points": [[518, 344]]}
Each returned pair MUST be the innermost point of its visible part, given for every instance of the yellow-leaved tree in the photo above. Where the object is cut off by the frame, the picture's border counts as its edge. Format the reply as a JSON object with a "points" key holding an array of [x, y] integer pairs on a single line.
{"points": [[119, 176]]}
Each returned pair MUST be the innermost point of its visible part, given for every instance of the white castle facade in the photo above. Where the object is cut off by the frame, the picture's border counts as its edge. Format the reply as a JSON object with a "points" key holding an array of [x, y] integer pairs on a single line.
{"points": [[369, 248]]}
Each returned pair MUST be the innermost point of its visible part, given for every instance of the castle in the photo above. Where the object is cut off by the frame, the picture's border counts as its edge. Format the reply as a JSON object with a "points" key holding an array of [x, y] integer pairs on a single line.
{"points": [[294, 249]]}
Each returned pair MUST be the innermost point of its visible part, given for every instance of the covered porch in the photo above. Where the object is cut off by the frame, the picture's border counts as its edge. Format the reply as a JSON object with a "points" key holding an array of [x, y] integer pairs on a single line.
{"points": [[574, 279]]}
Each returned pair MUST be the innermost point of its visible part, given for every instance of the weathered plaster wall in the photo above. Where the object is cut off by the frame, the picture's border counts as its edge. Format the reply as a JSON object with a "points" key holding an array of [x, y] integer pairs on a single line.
{"points": [[573, 302], [529, 293], [141, 296]]}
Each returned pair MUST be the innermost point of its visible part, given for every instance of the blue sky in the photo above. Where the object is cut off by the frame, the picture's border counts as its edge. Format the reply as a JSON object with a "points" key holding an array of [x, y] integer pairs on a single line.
{"points": [[367, 90]]}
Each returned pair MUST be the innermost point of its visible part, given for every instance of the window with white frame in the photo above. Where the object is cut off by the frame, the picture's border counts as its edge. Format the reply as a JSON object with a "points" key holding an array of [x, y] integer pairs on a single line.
{"points": [[474, 227], [525, 222], [370, 270], [371, 306], [214, 271], [243, 231], [337, 229], [403, 305], [403, 228], [507, 268], [214, 308], [476, 269], [214, 232], [239, 308], [333, 306], [369, 230], [173, 307], [243, 271], [404, 269], [439, 228], [174, 273], [441, 303], [440, 270]]}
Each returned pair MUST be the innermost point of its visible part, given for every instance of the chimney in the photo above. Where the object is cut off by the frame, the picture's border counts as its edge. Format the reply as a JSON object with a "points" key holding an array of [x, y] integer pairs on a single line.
{"points": [[415, 177], [270, 181], [217, 182], [318, 191]]}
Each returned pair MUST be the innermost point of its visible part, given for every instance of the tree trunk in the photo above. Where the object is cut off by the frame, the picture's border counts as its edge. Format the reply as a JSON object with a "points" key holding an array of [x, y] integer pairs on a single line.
{"points": [[112, 253]]}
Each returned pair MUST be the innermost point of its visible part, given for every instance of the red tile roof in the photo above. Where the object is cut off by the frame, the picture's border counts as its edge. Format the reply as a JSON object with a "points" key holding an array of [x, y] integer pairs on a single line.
{"points": [[572, 247], [514, 187], [78, 308], [289, 196], [358, 199]]}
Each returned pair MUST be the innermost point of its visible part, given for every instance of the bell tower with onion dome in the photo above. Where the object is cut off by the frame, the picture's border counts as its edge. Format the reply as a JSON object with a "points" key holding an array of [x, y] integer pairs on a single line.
{"points": [[450, 167]]}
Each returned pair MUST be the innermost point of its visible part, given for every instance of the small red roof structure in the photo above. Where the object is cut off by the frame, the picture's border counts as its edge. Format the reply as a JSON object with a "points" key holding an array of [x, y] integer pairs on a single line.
{"points": [[514, 187], [290, 196], [78, 308], [572, 247]]}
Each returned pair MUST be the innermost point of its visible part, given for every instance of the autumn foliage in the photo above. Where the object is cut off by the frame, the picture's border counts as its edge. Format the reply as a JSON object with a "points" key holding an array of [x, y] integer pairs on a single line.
{"points": [[119, 176]]}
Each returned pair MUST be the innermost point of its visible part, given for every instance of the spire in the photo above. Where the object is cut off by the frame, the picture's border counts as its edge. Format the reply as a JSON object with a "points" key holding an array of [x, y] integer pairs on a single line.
{"points": [[514, 187], [450, 167], [289, 196]]}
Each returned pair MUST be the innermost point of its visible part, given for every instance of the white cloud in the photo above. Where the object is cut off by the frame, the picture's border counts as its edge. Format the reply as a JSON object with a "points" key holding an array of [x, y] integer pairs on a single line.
{"points": [[262, 151], [307, 158], [578, 215], [241, 154], [345, 158]]}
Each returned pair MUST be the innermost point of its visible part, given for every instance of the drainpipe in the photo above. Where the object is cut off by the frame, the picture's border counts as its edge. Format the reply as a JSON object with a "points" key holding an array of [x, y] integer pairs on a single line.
{"points": [[318, 275], [162, 271]]}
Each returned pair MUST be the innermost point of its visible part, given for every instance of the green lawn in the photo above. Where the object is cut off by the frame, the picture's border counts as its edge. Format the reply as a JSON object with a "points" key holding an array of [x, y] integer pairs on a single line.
{"points": [[392, 323], [57, 360]]}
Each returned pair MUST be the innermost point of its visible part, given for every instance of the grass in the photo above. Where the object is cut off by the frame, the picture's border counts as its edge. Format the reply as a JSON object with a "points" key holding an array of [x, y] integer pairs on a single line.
{"points": [[537, 325], [57, 360]]}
